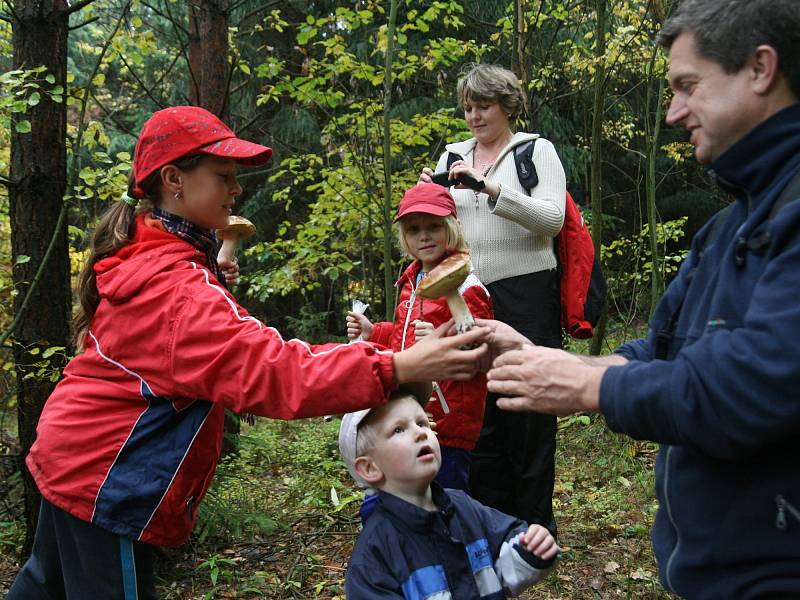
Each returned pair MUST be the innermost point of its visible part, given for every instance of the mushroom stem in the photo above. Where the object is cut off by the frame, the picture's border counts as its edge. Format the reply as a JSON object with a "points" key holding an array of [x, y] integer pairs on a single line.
{"points": [[459, 310], [228, 249]]}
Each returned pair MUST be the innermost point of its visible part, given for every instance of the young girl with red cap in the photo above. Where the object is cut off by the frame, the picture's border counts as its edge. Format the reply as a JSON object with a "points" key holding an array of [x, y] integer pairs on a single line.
{"points": [[429, 231], [129, 440]]}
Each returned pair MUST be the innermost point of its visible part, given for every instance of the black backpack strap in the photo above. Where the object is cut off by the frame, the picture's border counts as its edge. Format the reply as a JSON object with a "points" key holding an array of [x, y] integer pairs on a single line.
{"points": [[451, 158], [526, 170], [761, 242], [790, 192]]}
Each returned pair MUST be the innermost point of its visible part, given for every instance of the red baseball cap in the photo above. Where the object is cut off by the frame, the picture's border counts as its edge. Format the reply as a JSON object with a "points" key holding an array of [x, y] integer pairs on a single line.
{"points": [[429, 198], [179, 131]]}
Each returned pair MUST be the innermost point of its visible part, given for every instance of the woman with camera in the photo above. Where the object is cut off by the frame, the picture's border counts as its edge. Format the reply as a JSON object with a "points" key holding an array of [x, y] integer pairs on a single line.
{"points": [[510, 231]]}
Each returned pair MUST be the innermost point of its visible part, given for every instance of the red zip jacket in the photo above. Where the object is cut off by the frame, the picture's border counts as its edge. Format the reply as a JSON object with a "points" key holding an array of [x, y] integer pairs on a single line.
{"points": [[466, 399], [130, 438]]}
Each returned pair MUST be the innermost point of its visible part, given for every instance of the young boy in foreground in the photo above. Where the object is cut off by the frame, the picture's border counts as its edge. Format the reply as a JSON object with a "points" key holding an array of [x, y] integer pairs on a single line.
{"points": [[423, 541]]}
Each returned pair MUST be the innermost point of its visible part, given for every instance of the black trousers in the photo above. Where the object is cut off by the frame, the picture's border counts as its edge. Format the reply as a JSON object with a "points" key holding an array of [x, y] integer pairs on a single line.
{"points": [[513, 463], [75, 560]]}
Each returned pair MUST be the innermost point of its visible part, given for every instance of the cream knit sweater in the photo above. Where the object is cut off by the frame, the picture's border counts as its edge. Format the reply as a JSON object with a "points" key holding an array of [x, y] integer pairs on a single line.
{"points": [[514, 234]]}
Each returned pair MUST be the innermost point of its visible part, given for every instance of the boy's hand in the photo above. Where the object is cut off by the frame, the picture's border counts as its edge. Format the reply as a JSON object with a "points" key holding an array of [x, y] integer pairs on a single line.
{"points": [[229, 268], [422, 328], [358, 325], [539, 542]]}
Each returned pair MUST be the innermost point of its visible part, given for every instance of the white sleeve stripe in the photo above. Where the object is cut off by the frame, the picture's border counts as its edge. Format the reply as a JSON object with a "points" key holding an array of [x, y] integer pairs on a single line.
{"points": [[515, 574], [235, 311]]}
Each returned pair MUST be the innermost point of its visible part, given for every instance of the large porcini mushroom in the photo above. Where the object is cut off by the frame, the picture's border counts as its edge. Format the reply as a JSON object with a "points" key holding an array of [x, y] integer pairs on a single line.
{"points": [[238, 228], [443, 280]]}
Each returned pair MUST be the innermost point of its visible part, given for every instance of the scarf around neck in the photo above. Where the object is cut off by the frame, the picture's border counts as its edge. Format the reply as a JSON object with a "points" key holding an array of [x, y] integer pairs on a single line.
{"points": [[204, 240]]}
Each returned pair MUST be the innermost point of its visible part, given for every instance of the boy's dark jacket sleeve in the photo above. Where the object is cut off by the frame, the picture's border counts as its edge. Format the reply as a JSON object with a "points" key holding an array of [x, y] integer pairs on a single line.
{"points": [[516, 567], [364, 583]]}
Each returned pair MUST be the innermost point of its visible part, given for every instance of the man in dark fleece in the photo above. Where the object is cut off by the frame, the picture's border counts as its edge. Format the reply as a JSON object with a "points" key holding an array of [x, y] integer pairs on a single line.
{"points": [[717, 380]]}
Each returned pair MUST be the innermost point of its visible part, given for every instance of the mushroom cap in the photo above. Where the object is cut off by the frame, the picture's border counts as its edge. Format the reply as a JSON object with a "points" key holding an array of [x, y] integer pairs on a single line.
{"points": [[446, 276], [238, 228]]}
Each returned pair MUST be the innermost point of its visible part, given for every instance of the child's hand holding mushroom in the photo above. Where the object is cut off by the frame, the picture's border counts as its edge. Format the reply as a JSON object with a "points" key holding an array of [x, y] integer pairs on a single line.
{"points": [[422, 328], [238, 228], [230, 268]]}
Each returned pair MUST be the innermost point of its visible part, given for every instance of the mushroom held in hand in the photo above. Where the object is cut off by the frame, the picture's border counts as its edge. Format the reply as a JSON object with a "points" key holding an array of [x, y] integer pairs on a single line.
{"points": [[444, 280], [238, 228]]}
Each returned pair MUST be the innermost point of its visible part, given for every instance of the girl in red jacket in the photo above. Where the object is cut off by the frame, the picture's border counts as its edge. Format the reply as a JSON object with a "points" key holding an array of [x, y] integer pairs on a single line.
{"points": [[129, 440], [428, 232]]}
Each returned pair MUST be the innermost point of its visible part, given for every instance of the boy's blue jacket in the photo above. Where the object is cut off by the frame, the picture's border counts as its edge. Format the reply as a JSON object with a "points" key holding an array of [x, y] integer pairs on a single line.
{"points": [[463, 551], [725, 403]]}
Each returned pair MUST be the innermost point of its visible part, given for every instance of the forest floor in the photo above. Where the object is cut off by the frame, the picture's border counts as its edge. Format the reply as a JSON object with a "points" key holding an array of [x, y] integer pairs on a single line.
{"points": [[280, 520]]}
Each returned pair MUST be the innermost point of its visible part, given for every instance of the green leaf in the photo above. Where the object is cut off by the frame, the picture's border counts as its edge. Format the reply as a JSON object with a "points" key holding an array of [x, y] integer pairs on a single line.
{"points": [[34, 99], [23, 126], [52, 350], [22, 259], [51, 79]]}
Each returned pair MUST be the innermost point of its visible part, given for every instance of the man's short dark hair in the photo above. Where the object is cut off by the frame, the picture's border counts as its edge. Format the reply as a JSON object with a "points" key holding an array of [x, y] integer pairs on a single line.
{"points": [[729, 31]]}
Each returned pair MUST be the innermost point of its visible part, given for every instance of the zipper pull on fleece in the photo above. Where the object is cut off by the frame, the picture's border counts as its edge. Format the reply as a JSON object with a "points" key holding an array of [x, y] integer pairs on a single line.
{"points": [[440, 395], [783, 506]]}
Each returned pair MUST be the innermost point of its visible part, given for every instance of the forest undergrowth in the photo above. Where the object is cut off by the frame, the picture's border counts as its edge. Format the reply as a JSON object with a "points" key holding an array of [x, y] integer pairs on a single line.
{"points": [[280, 520]]}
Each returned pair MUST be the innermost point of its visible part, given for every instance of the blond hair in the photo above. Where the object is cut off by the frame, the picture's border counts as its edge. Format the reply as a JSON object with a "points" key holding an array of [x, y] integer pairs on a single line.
{"points": [[369, 427], [453, 239], [491, 83]]}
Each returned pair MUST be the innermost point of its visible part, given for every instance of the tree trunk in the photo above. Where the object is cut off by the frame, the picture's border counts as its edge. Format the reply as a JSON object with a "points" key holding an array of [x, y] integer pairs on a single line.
{"points": [[208, 56], [36, 197], [520, 62], [651, 139], [652, 132], [208, 88], [596, 191], [388, 270]]}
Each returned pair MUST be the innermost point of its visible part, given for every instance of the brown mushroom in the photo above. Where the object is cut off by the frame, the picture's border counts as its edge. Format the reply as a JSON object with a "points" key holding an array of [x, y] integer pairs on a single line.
{"points": [[443, 280], [238, 228]]}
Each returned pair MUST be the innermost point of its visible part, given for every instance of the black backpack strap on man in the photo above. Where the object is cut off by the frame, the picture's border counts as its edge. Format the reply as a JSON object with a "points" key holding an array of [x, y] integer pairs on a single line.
{"points": [[759, 243]]}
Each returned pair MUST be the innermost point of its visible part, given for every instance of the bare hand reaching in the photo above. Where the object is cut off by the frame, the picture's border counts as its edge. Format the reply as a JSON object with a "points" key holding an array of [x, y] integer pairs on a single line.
{"points": [[439, 356], [545, 380]]}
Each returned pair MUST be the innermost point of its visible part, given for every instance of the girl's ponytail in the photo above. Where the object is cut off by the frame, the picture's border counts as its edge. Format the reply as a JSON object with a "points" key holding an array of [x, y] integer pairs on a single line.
{"points": [[114, 230]]}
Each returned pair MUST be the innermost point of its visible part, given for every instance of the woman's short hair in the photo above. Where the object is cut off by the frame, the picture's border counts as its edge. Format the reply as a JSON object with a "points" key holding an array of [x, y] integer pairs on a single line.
{"points": [[491, 83], [454, 236]]}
